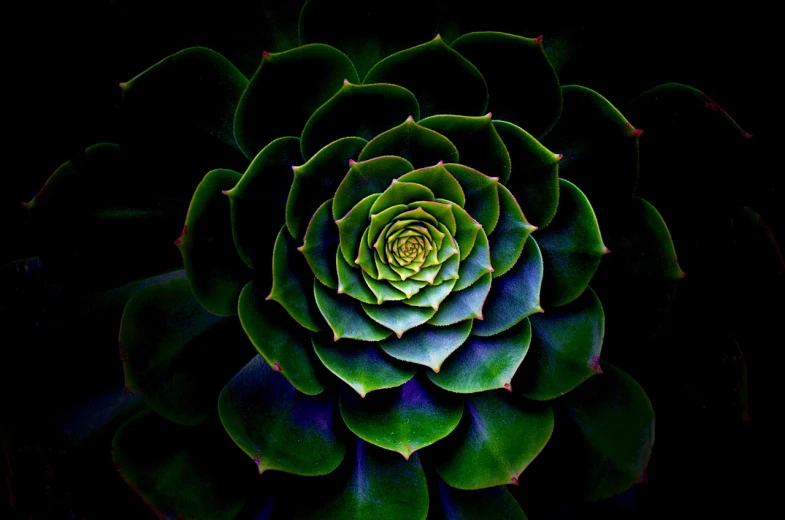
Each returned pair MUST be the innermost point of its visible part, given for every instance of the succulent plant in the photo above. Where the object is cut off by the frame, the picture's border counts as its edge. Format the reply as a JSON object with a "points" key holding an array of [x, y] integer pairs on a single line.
{"points": [[408, 243]]}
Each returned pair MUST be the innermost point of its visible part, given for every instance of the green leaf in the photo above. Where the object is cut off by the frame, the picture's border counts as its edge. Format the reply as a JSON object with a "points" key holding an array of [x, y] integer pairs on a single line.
{"points": [[534, 173], [279, 427], [515, 295], [354, 282], [571, 247], [482, 195], [533, 99], [418, 145], [165, 462], [443, 81], [440, 181], [642, 244], [316, 180], [477, 264], [440, 343], [478, 143], [565, 349], [401, 193], [167, 343], [497, 439], [373, 484], [357, 110], [467, 230], [397, 317], [386, 290], [260, 196], [321, 245], [284, 92], [353, 227], [346, 318], [485, 363], [367, 33], [432, 295], [283, 344], [215, 271], [403, 419], [292, 280], [367, 178], [507, 240], [599, 145], [442, 212], [495, 502], [362, 366], [614, 422], [463, 305]]}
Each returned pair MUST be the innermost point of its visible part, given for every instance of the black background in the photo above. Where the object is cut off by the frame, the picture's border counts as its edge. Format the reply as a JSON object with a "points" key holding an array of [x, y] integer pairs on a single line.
{"points": [[60, 368]]}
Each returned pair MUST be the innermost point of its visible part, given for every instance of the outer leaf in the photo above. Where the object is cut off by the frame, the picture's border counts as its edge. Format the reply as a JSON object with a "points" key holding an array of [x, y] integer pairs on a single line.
{"points": [[440, 342], [614, 420], [357, 110], [167, 342], [515, 295], [366, 178], [440, 181], [280, 340], [534, 173], [321, 245], [277, 426], [368, 32], [285, 90], [571, 247], [397, 317], [498, 437], [166, 462], [362, 365], [565, 348], [346, 318], [477, 141], [260, 196], [482, 195], [403, 419], [507, 240], [292, 280], [316, 181], [533, 100], [418, 145], [432, 72], [467, 230], [463, 305], [599, 145], [485, 363], [373, 484], [495, 502], [215, 271]]}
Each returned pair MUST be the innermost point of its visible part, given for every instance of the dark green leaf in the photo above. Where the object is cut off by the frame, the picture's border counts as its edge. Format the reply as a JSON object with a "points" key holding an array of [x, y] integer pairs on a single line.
{"points": [[357, 110], [497, 439], [466, 234], [285, 91], [398, 317], [565, 349], [482, 195], [465, 304], [534, 173], [165, 463], [485, 363], [427, 344], [353, 227], [440, 181], [495, 502], [321, 245], [418, 145], [316, 181], [523, 85], [367, 178], [259, 201], [168, 344], [443, 81], [292, 281], [571, 247], [479, 146], [346, 318], [401, 193], [515, 295], [283, 344], [215, 271], [354, 282], [403, 419], [507, 240], [277, 426]]}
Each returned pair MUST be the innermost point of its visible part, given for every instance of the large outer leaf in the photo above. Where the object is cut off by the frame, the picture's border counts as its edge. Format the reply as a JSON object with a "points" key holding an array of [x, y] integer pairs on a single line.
{"points": [[277, 426], [418, 145], [440, 341]]}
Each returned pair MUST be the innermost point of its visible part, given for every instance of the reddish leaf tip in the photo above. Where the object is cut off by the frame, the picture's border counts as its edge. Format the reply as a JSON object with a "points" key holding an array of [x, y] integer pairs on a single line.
{"points": [[438, 36], [514, 481], [594, 364], [265, 54], [335, 337], [479, 317], [559, 156], [300, 249], [440, 163], [508, 387], [123, 85], [637, 132], [276, 367], [489, 115], [410, 119], [644, 478], [340, 290], [345, 81], [538, 40], [352, 162], [606, 251]]}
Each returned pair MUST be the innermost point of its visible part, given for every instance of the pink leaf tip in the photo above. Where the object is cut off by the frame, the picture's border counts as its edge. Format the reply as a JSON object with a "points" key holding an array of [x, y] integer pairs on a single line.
{"points": [[265, 54], [514, 481], [508, 387], [538, 40], [276, 367], [637, 132]]}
